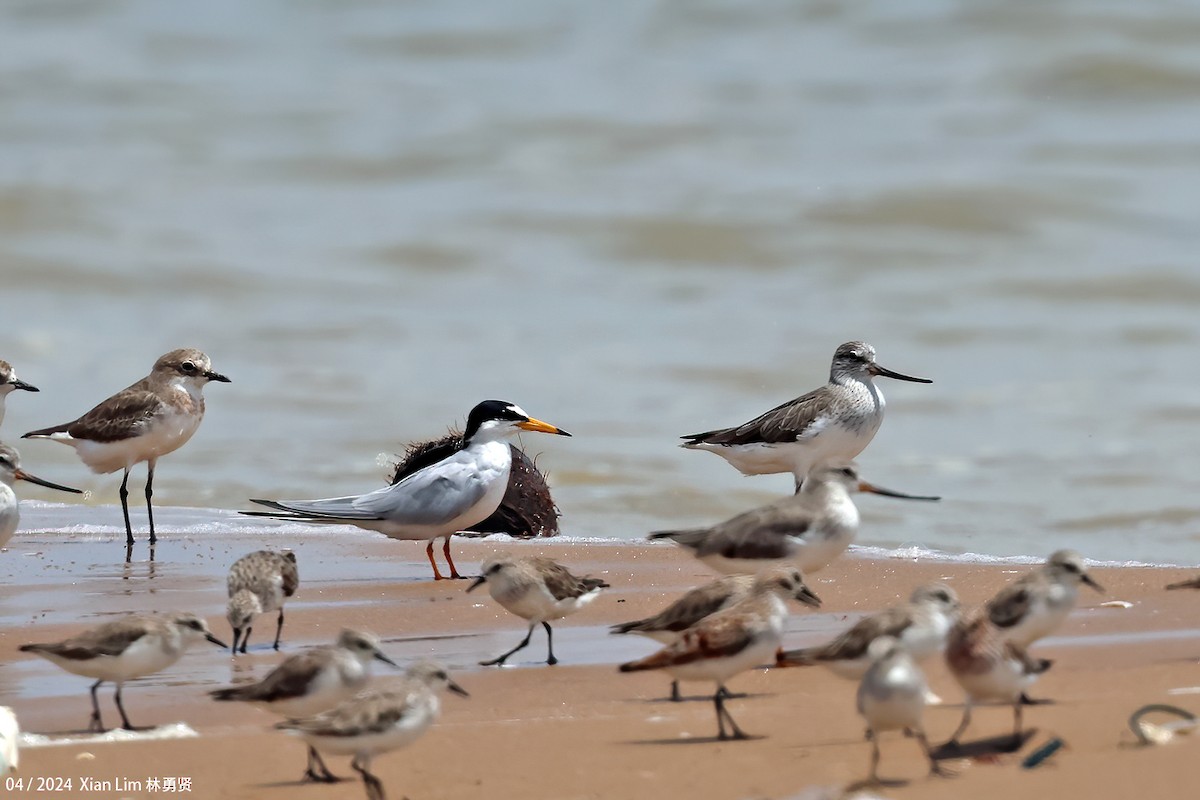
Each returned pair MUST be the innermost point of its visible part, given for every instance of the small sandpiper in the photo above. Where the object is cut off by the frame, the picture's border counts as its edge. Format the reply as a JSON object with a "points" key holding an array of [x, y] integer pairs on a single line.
{"points": [[891, 697], [435, 502], [131, 647], [832, 424], [378, 721], [10, 473], [9, 382], [729, 642], [990, 667], [809, 529], [1193, 583], [258, 583], [1036, 604], [313, 682], [920, 626], [144, 422], [537, 589]]}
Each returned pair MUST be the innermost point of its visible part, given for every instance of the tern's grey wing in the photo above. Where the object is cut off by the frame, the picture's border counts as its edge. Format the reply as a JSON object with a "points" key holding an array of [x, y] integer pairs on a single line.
{"points": [[431, 496]]}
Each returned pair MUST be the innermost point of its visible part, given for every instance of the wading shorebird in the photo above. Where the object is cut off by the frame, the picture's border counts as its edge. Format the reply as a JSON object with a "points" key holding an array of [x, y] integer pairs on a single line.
{"points": [[832, 424], [144, 422], [131, 647], [810, 528], [378, 721], [732, 641], [259, 583], [10, 473], [536, 589], [436, 501], [9, 382], [313, 682]]}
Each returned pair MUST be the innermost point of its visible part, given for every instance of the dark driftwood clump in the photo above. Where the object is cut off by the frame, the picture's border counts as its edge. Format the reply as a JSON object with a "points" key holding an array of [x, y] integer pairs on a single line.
{"points": [[527, 509]]}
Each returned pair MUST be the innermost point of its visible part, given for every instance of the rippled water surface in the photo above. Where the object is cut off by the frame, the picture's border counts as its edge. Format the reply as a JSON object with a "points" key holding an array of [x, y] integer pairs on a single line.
{"points": [[637, 220]]}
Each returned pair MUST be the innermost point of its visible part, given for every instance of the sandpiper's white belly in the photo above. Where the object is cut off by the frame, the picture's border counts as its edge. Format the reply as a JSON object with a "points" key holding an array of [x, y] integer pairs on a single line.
{"points": [[722, 668], [326, 691], [409, 727], [144, 657]]}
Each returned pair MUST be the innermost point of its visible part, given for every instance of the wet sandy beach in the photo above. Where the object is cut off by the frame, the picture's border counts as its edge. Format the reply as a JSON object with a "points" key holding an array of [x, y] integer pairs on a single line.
{"points": [[578, 729]]}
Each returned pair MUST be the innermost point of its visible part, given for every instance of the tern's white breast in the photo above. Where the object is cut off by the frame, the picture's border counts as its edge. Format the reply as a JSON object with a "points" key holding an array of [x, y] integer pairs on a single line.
{"points": [[10, 515]]}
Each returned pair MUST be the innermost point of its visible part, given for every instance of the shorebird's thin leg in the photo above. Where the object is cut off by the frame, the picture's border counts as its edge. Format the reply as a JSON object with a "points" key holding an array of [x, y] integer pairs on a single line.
{"points": [[279, 628], [501, 659], [962, 726], [1017, 721], [149, 494], [453, 569], [317, 771], [373, 784], [125, 723], [874, 755], [722, 712], [125, 508], [551, 660], [95, 724], [246, 638], [675, 695], [437, 576], [237, 635], [934, 767]]}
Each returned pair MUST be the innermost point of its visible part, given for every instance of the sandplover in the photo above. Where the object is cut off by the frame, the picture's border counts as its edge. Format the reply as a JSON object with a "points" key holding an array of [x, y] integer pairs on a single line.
{"points": [[378, 721], [1035, 604], [989, 667], [891, 697], [144, 422], [131, 647], [10, 473], [832, 424], [920, 626], [732, 641], [434, 502], [313, 682], [9, 382], [809, 529], [258, 583], [537, 589]]}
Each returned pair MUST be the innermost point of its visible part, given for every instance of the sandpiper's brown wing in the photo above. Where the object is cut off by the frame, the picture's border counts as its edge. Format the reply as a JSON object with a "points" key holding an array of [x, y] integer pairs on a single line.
{"points": [[692, 607], [109, 639], [1194, 583], [758, 533], [853, 643], [722, 634], [288, 680], [561, 584], [784, 423], [373, 711], [1010, 605]]}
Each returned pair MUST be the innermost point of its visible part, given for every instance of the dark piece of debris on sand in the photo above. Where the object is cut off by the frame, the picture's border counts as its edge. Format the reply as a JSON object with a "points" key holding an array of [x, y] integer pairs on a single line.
{"points": [[527, 510]]}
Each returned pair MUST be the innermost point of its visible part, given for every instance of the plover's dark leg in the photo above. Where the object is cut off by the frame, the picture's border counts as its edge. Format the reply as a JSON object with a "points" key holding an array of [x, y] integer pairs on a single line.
{"points": [[675, 695], [551, 660], [317, 771], [501, 659], [125, 723], [723, 715], [373, 784], [874, 755], [149, 494], [934, 767], [246, 638], [125, 508], [962, 726]]}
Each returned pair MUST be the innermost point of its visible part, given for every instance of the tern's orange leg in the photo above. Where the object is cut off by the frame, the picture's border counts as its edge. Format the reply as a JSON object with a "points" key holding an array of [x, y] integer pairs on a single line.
{"points": [[437, 576], [453, 569]]}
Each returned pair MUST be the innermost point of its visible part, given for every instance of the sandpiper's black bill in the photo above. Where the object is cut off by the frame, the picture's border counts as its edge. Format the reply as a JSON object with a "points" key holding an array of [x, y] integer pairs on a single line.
{"points": [[808, 597], [25, 476], [887, 373], [209, 637], [1088, 580], [863, 486], [477, 583], [20, 384], [381, 657], [454, 687]]}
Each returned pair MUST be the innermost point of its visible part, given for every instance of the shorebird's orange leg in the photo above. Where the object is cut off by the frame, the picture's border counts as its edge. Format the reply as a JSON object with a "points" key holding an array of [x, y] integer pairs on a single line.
{"points": [[437, 576], [453, 570]]}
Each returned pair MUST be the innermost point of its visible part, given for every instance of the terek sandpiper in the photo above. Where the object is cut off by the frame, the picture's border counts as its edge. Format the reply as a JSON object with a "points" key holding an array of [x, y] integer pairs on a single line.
{"points": [[832, 424], [810, 528], [124, 649], [10, 473], [732, 641], [258, 583], [153, 417], [378, 721], [438, 500], [537, 589], [9, 382]]}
